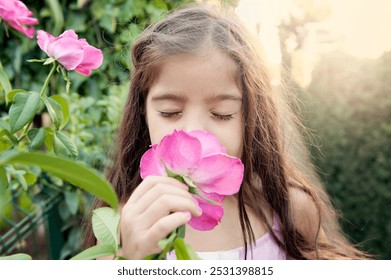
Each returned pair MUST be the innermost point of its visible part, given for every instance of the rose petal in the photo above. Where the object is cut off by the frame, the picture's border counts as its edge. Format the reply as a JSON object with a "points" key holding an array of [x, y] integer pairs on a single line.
{"points": [[92, 59], [210, 143], [70, 33], [67, 51], [18, 16], [219, 173], [211, 214], [180, 152], [44, 39], [150, 165]]}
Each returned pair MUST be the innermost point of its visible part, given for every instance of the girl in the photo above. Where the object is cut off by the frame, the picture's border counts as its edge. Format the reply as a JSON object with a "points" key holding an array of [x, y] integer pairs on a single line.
{"points": [[197, 69]]}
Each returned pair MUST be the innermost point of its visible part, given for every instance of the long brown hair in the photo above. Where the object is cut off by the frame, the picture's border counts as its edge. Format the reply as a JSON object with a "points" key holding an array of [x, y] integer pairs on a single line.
{"points": [[267, 150]]}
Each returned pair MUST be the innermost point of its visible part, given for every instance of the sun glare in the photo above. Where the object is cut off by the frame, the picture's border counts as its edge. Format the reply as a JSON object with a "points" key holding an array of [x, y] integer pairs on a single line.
{"points": [[356, 27], [361, 26]]}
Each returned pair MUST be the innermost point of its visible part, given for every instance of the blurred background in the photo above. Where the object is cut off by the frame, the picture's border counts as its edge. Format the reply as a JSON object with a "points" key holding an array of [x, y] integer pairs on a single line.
{"points": [[334, 55]]}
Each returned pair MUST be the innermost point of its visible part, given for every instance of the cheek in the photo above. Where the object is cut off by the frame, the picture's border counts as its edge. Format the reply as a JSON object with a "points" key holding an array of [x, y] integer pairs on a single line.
{"points": [[153, 129], [234, 147], [232, 140], [151, 124]]}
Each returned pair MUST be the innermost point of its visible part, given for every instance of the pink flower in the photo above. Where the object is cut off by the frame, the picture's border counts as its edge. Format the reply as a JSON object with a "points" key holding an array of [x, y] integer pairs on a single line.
{"points": [[16, 14], [71, 52], [197, 155]]}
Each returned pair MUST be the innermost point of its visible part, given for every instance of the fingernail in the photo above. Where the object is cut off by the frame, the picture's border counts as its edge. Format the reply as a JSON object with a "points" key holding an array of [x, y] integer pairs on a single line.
{"points": [[188, 214]]}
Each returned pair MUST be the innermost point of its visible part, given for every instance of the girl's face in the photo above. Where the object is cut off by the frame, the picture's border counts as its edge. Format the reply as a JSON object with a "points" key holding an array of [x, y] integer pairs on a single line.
{"points": [[197, 92]]}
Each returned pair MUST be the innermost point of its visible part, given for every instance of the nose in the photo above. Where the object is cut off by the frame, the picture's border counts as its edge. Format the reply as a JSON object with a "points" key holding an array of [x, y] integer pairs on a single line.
{"points": [[194, 122]]}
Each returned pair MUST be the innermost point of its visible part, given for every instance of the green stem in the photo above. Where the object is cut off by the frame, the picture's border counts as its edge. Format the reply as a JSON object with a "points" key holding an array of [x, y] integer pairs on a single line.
{"points": [[25, 131], [45, 85]]}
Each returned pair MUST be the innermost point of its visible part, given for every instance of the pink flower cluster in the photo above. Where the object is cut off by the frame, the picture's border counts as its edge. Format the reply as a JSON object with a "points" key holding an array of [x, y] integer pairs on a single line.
{"points": [[18, 16], [198, 156], [70, 51]]}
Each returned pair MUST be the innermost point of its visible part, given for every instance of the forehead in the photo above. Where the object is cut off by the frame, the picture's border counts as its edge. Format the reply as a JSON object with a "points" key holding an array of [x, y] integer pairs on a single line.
{"points": [[205, 71]]}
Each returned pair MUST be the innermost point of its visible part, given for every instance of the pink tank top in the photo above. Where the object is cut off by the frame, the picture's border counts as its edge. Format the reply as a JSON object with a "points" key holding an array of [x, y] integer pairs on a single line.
{"points": [[265, 248]]}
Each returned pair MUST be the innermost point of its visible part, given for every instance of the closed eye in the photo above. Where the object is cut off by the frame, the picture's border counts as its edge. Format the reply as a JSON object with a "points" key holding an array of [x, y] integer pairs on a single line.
{"points": [[169, 114], [222, 117]]}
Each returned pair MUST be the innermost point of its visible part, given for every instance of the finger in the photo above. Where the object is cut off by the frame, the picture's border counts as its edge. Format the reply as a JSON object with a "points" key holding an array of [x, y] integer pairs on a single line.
{"points": [[166, 205], [155, 193], [149, 183], [165, 226]]}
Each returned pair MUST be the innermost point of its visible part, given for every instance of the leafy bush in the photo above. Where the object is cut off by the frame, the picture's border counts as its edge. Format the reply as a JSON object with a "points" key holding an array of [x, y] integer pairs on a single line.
{"points": [[80, 123], [349, 108]]}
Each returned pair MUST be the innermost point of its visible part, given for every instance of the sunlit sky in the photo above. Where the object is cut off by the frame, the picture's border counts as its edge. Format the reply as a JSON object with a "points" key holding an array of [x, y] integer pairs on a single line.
{"points": [[361, 26]]}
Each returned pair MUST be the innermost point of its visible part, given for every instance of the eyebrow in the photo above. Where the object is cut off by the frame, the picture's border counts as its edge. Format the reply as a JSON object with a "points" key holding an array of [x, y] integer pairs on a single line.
{"points": [[180, 97], [169, 96], [225, 96]]}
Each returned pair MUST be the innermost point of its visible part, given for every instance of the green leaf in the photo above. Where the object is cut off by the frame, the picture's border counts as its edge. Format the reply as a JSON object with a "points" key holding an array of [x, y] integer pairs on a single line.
{"points": [[23, 109], [16, 257], [3, 177], [105, 223], [184, 251], [19, 176], [4, 124], [166, 245], [63, 145], [49, 138], [72, 201], [181, 231], [68, 170], [37, 60], [4, 144], [100, 250], [64, 108], [9, 97], [4, 81], [37, 138], [7, 140], [30, 177], [54, 110]]}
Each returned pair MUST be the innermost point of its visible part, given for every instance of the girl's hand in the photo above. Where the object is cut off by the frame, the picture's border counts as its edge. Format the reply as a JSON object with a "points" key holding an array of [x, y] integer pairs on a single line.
{"points": [[157, 207]]}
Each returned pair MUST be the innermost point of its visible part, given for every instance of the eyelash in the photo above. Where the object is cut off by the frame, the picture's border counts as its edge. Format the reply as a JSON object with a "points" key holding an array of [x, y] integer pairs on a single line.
{"points": [[217, 116], [223, 117], [169, 114]]}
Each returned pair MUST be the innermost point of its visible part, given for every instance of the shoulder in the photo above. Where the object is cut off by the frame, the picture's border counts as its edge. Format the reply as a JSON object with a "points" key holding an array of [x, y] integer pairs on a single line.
{"points": [[305, 213]]}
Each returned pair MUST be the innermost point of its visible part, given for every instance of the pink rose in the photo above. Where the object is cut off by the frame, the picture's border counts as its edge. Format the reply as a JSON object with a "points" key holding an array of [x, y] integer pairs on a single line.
{"points": [[197, 155], [70, 51], [18, 16]]}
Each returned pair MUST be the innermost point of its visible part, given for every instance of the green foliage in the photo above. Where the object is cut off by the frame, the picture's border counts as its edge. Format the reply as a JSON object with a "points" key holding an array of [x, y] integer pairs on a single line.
{"points": [[105, 223], [184, 251], [349, 108], [68, 170], [23, 109], [95, 252], [71, 117], [16, 257]]}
